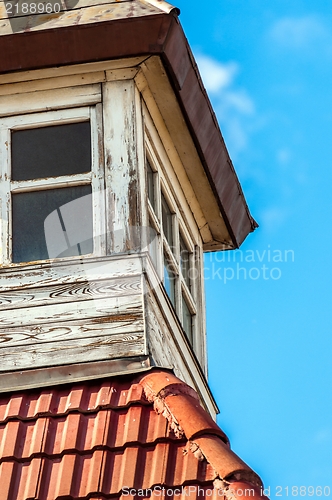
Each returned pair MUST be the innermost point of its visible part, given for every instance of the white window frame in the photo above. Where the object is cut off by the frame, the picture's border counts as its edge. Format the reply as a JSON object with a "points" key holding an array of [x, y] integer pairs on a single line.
{"points": [[162, 186], [95, 177]]}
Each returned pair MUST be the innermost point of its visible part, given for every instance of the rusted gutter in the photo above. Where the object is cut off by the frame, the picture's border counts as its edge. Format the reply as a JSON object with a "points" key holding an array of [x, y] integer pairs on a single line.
{"points": [[160, 35]]}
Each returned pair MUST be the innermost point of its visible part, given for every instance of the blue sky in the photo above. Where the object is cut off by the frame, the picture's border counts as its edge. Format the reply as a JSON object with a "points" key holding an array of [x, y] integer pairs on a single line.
{"points": [[267, 65]]}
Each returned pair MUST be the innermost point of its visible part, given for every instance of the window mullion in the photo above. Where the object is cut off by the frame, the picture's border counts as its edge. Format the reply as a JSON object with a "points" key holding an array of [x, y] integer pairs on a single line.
{"points": [[51, 183], [157, 215], [188, 297], [98, 181], [176, 253], [170, 256], [153, 218], [5, 199]]}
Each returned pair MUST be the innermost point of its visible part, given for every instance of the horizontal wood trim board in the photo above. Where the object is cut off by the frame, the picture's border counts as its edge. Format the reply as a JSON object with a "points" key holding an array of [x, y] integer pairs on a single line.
{"points": [[71, 292], [26, 277], [72, 351], [60, 332], [53, 83], [46, 100], [98, 308], [121, 74], [75, 69]]}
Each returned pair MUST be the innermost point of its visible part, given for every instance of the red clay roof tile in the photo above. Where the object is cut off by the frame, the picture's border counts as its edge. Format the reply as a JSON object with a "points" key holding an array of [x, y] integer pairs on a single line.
{"points": [[162, 383], [94, 439], [192, 418]]}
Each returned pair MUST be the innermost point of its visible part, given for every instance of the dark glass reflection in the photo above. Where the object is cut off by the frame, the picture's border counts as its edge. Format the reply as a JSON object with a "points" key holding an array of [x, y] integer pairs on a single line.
{"points": [[51, 151], [150, 177], [169, 281], [167, 221], [185, 262], [68, 229], [187, 320]]}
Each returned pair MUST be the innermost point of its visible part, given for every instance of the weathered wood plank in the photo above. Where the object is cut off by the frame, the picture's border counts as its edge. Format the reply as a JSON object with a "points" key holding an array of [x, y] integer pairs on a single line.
{"points": [[53, 83], [42, 119], [4, 195], [75, 69], [51, 182], [45, 100], [60, 332], [121, 74], [121, 166], [69, 271], [97, 308], [72, 351], [70, 292]]}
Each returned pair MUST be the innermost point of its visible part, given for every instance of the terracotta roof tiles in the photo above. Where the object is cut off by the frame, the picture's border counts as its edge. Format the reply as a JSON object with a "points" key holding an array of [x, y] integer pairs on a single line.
{"points": [[115, 438]]}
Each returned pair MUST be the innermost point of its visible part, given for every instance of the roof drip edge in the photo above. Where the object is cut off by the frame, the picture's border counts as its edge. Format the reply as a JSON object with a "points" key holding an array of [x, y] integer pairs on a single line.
{"points": [[163, 6]]}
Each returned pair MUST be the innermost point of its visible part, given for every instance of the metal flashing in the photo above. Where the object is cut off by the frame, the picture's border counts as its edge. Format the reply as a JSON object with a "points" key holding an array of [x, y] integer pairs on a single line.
{"points": [[163, 6], [43, 377]]}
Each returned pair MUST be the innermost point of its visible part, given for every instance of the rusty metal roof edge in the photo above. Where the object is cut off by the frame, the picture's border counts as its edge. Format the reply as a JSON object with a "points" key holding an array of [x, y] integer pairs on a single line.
{"points": [[164, 6], [169, 66]]}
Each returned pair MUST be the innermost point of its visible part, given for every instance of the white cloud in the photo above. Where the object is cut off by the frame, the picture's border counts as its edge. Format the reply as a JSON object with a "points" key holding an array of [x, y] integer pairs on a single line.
{"points": [[323, 436], [284, 156], [272, 218], [232, 104], [241, 101], [299, 32], [216, 76], [238, 138]]}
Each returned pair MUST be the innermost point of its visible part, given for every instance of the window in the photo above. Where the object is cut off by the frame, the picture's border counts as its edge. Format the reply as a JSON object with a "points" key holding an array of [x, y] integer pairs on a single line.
{"points": [[172, 250], [49, 197]]}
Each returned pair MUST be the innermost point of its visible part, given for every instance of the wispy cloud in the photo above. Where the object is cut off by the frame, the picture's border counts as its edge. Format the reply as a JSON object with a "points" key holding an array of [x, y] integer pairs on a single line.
{"points": [[299, 32], [216, 75], [232, 103], [323, 436], [271, 218]]}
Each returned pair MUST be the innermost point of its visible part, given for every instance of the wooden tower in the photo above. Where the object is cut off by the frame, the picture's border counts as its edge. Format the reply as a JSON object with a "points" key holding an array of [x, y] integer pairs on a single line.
{"points": [[114, 181]]}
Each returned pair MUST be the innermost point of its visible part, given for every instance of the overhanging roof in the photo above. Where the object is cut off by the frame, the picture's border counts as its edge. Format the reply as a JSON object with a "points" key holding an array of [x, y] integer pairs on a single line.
{"points": [[98, 30]]}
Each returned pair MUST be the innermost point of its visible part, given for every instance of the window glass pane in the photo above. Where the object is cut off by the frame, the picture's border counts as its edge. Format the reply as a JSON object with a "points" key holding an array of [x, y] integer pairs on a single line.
{"points": [[150, 179], [167, 220], [185, 262], [51, 151], [44, 222], [169, 281], [187, 320], [153, 244]]}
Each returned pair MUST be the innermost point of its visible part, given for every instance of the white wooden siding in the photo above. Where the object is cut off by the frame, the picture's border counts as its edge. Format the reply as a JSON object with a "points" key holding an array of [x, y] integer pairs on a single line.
{"points": [[72, 313], [72, 351], [61, 271]]}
